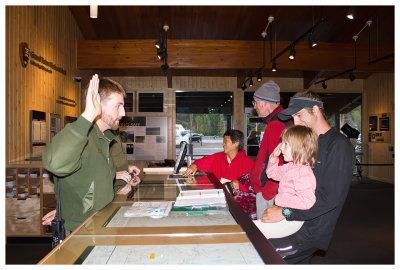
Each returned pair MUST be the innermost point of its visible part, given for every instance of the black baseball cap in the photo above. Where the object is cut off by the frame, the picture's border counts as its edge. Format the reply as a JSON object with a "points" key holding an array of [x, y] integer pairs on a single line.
{"points": [[296, 105]]}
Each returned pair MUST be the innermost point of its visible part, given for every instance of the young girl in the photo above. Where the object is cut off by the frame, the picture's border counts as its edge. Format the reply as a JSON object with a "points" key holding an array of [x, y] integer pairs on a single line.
{"points": [[296, 179]]}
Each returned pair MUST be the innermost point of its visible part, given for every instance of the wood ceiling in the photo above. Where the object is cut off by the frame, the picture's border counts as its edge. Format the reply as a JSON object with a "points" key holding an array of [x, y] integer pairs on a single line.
{"points": [[226, 40]]}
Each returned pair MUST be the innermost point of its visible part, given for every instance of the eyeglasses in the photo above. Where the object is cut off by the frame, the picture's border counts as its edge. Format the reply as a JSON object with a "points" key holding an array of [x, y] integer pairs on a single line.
{"points": [[254, 103]]}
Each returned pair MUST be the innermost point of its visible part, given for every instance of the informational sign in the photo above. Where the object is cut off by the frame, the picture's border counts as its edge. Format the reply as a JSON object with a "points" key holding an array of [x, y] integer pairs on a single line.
{"points": [[144, 138], [379, 128]]}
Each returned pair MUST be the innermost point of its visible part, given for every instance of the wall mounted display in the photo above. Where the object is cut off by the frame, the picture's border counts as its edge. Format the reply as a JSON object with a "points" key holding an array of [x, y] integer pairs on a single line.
{"points": [[373, 123], [379, 128], [37, 133], [384, 124], [144, 138]]}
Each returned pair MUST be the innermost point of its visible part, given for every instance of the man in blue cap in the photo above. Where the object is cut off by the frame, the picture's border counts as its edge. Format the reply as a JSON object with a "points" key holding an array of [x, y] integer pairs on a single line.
{"points": [[333, 171]]}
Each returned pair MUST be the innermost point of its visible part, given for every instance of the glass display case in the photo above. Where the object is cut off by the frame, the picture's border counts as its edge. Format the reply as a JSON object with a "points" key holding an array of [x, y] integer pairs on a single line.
{"points": [[212, 235]]}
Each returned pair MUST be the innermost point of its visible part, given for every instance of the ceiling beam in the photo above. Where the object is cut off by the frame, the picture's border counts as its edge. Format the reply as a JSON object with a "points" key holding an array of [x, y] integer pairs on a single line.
{"points": [[222, 54]]}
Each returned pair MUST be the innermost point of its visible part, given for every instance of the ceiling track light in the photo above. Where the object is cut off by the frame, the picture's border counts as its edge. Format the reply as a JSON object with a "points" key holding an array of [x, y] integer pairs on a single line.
{"points": [[251, 82], [311, 41], [324, 85], [161, 53], [274, 69], [308, 33], [244, 87], [292, 53], [351, 13], [259, 77]]}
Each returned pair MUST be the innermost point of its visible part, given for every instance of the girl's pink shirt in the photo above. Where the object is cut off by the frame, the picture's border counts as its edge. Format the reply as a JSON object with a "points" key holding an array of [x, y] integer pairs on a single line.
{"points": [[297, 185]]}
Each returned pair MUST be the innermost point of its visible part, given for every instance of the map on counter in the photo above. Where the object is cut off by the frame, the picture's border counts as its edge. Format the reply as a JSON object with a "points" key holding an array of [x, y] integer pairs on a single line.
{"points": [[225, 253], [208, 218]]}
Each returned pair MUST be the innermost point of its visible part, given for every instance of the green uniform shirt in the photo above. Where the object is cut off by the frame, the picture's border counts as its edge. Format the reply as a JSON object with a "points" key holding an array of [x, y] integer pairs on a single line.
{"points": [[85, 161]]}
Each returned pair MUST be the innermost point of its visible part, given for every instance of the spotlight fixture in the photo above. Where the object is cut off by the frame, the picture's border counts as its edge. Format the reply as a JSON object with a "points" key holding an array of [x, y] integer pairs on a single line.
{"points": [[324, 85], [162, 53], [251, 82], [274, 69], [311, 41], [162, 47], [244, 87], [351, 13], [292, 53], [259, 77], [93, 11]]}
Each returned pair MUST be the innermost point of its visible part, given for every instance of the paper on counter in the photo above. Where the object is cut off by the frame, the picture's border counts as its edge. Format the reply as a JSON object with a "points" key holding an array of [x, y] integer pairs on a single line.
{"points": [[152, 209]]}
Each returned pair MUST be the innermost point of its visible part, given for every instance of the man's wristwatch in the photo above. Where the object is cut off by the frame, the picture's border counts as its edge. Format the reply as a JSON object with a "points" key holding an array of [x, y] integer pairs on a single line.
{"points": [[286, 212]]}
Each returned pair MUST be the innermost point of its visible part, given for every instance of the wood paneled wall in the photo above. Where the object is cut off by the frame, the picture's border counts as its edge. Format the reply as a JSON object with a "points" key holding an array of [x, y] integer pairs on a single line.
{"points": [[51, 32], [378, 97]]}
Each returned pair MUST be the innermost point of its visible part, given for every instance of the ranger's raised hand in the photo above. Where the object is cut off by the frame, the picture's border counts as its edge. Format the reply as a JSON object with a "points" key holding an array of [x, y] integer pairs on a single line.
{"points": [[93, 106]]}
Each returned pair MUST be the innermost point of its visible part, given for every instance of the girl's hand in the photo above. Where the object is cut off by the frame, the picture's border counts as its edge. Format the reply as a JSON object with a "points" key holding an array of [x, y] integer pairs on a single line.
{"points": [[93, 106], [275, 155]]}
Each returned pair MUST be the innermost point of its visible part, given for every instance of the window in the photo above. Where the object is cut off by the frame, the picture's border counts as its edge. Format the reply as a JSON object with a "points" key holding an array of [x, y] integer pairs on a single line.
{"points": [[128, 106], [202, 119], [150, 102]]}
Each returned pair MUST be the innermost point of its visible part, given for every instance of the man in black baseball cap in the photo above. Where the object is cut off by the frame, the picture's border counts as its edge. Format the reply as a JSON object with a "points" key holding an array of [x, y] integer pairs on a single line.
{"points": [[298, 103], [333, 171]]}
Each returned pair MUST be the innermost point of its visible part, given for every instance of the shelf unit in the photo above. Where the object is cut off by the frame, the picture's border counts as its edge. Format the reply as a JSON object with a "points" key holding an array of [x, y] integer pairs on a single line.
{"points": [[29, 196]]}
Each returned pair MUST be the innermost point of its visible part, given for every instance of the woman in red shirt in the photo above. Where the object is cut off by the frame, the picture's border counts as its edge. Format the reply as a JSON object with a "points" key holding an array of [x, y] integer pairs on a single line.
{"points": [[229, 165]]}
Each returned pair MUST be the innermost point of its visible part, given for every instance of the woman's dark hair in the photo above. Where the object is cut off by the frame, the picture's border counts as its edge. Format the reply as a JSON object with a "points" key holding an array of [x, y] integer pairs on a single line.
{"points": [[236, 136]]}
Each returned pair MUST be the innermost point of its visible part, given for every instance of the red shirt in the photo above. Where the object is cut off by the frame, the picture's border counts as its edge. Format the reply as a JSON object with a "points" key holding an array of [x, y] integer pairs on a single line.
{"points": [[271, 139], [218, 164]]}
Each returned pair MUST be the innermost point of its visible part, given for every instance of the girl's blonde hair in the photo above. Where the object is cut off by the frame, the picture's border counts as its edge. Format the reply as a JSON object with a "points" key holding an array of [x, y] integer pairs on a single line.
{"points": [[303, 142]]}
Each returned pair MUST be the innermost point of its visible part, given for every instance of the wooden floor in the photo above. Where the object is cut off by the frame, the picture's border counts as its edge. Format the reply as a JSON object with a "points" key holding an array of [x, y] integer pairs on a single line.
{"points": [[364, 233]]}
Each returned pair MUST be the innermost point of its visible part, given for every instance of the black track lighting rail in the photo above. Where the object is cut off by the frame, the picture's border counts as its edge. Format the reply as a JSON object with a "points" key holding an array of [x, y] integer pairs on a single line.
{"points": [[297, 40], [381, 58]]}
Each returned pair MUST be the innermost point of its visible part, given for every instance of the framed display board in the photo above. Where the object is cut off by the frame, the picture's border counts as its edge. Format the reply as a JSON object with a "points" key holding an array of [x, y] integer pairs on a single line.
{"points": [[144, 138]]}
